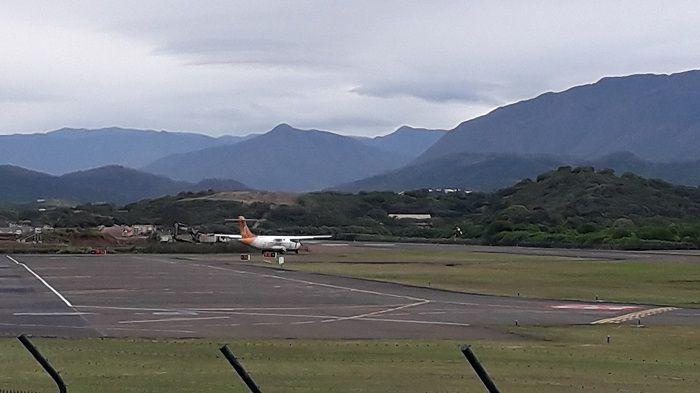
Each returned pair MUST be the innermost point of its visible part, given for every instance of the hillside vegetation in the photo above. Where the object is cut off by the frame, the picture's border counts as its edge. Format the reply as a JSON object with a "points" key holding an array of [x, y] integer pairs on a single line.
{"points": [[489, 172], [112, 183], [568, 207]]}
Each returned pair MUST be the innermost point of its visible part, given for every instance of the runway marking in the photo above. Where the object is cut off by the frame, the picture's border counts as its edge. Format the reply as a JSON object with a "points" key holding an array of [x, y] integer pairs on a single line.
{"points": [[63, 299], [50, 314], [45, 326], [135, 308], [282, 315], [341, 306], [634, 315], [369, 314], [171, 320], [310, 282], [603, 307], [484, 304], [415, 321], [151, 330], [302, 322], [233, 309], [365, 317], [174, 313]]}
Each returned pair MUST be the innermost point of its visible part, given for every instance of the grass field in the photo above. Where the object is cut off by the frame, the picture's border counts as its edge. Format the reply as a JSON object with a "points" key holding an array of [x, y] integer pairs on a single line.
{"points": [[574, 359], [665, 282]]}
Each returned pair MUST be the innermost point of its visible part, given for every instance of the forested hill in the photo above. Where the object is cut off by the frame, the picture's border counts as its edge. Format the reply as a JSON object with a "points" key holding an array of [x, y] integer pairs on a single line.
{"points": [[112, 183], [568, 207], [581, 196]]}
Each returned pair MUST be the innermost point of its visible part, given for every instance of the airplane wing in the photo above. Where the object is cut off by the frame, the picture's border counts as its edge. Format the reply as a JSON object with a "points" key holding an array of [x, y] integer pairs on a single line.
{"points": [[308, 237]]}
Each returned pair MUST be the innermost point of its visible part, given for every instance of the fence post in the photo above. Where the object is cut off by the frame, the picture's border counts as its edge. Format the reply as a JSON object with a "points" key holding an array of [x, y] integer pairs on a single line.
{"points": [[43, 362], [480, 371], [239, 369]]}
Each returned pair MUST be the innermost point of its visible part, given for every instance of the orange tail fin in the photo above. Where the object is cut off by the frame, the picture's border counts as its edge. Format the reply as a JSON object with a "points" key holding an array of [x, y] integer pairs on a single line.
{"points": [[243, 227]]}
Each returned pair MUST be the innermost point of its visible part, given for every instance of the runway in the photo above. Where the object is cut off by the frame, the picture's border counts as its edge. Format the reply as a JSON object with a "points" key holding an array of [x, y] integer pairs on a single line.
{"points": [[191, 296]]}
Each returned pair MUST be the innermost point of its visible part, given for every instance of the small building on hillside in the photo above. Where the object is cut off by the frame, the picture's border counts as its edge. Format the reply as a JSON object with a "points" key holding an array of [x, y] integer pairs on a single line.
{"points": [[143, 229], [422, 220], [410, 216]]}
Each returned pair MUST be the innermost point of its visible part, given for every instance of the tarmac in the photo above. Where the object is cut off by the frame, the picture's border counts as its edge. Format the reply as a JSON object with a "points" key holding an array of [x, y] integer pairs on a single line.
{"points": [[204, 296]]}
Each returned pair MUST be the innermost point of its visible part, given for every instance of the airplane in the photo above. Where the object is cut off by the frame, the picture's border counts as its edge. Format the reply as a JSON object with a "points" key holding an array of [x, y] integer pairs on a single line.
{"points": [[277, 243]]}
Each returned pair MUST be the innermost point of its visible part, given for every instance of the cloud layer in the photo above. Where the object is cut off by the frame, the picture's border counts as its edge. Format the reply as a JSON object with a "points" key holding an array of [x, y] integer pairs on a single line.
{"points": [[361, 67]]}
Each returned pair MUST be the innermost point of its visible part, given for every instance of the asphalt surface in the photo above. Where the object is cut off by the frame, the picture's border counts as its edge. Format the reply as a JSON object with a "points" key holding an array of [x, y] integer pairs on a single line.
{"points": [[608, 255], [190, 296]]}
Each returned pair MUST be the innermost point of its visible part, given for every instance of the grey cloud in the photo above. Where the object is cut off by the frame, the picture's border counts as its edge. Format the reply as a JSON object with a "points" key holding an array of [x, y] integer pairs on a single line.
{"points": [[360, 67], [15, 95], [432, 91]]}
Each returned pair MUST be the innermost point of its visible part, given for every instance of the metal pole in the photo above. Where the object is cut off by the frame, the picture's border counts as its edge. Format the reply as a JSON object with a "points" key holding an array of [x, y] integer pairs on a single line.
{"points": [[43, 362], [239, 369], [480, 371]]}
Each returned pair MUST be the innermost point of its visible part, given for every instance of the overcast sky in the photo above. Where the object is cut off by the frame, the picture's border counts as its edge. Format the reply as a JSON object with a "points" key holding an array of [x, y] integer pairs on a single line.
{"points": [[357, 67]]}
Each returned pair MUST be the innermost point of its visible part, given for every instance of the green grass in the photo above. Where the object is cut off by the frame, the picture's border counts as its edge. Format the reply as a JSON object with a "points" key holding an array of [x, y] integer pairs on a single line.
{"points": [[663, 283], [573, 359]]}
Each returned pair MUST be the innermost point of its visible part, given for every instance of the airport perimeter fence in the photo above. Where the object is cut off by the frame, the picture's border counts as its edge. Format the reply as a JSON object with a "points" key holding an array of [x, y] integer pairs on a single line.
{"points": [[237, 366]]}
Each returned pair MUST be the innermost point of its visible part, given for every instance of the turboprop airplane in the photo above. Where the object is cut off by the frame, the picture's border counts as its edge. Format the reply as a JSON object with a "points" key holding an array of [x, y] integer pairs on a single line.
{"points": [[276, 243]]}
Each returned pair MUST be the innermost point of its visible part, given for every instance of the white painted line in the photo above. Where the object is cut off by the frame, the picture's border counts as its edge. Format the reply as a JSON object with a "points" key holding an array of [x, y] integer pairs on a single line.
{"points": [[132, 308], [601, 307], [341, 306], [369, 314], [51, 314], [63, 299], [12, 259], [172, 320], [174, 313], [44, 326], [634, 315], [311, 282], [191, 311], [283, 315], [151, 330], [417, 322]]}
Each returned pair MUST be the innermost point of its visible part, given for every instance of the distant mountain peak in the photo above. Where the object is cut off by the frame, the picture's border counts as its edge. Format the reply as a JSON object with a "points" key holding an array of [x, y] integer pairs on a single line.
{"points": [[283, 127], [71, 149], [285, 158], [654, 116], [407, 128]]}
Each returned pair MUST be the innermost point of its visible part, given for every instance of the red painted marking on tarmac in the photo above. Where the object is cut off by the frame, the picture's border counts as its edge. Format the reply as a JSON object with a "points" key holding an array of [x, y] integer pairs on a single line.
{"points": [[603, 307]]}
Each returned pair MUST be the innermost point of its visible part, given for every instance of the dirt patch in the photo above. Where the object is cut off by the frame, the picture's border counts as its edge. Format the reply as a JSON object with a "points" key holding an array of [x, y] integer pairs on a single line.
{"points": [[280, 198]]}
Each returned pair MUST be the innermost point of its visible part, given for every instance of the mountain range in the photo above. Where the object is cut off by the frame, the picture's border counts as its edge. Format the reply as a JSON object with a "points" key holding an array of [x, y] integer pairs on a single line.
{"points": [[73, 149], [406, 140], [655, 117], [646, 124], [284, 159], [489, 172], [113, 183]]}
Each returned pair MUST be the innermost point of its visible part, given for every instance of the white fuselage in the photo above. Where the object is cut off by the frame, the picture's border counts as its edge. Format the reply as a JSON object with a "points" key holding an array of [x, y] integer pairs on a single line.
{"points": [[272, 243]]}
